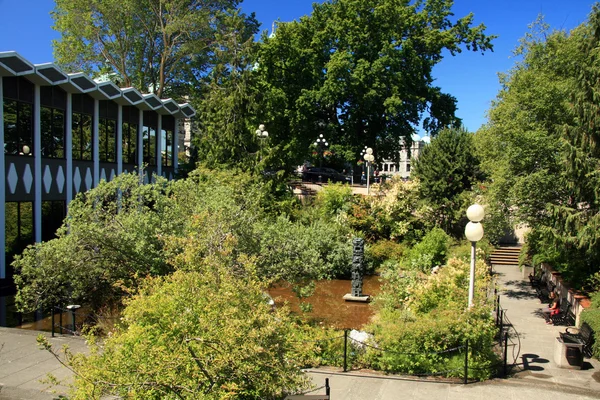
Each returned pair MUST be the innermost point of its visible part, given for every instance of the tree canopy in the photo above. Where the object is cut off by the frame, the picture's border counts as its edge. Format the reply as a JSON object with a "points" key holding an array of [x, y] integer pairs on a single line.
{"points": [[159, 46], [539, 147], [360, 72]]}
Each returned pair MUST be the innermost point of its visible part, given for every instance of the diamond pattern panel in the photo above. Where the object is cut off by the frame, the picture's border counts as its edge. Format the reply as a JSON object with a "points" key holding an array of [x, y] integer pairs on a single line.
{"points": [[47, 179], [77, 179], [27, 178], [12, 178], [88, 179], [60, 179]]}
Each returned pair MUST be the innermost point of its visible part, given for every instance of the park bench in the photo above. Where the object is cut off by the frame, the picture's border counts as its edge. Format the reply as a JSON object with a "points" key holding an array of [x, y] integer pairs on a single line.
{"points": [[535, 280], [565, 316], [583, 335], [544, 288]]}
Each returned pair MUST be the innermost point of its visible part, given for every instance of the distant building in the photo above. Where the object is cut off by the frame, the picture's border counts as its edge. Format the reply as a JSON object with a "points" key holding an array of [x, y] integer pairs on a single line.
{"points": [[62, 134], [403, 167]]}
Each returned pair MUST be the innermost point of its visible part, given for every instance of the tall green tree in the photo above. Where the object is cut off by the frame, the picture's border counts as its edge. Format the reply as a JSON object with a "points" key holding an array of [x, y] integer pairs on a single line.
{"points": [[446, 168], [162, 46], [520, 147], [360, 72], [227, 104]]}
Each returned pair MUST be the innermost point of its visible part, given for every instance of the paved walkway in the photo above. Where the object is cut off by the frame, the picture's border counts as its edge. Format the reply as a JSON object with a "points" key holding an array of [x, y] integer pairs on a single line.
{"points": [[536, 376]]}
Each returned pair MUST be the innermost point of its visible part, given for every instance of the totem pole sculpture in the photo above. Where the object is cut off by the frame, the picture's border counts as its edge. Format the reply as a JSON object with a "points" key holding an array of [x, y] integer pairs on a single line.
{"points": [[358, 270]]}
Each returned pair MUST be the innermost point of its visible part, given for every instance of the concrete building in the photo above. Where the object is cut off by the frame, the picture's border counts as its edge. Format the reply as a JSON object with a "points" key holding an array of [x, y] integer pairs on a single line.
{"points": [[402, 167], [62, 134]]}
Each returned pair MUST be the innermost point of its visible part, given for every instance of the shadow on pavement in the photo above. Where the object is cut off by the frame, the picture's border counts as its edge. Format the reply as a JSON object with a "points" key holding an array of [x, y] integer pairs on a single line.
{"points": [[522, 291], [530, 362]]}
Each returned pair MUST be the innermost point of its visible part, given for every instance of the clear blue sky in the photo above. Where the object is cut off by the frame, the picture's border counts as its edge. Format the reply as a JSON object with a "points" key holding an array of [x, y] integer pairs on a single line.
{"points": [[26, 27]]}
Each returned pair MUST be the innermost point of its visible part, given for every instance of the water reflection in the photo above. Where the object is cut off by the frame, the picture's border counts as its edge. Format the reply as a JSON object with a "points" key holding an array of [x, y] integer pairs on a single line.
{"points": [[328, 304]]}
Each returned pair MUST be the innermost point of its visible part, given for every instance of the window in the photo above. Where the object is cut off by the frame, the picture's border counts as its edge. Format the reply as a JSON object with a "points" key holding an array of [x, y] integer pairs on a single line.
{"points": [[53, 101], [19, 227], [82, 136], [53, 132], [407, 167], [167, 148], [18, 128], [83, 111], [53, 214], [107, 131], [130, 132], [107, 140], [149, 137]]}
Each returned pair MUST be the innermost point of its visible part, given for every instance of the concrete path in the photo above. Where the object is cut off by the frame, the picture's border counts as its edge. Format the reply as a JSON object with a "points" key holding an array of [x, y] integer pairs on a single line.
{"points": [[536, 376]]}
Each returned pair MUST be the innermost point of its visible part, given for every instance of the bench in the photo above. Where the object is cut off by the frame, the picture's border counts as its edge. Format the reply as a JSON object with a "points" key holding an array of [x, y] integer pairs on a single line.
{"points": [[543, 290], [583, 335], [565, 316], [535, 281]]}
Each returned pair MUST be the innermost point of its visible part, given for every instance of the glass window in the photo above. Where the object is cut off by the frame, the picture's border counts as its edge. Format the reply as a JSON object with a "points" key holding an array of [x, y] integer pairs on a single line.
{"points": [[18, 128], [19, 227], [53, 214], [53, 132], [107, 140], [167, 148], [129, 143], [149, 137], [82, 136]]}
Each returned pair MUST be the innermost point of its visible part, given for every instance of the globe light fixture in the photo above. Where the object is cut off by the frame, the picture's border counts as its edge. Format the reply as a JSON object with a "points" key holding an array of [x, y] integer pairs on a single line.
{"points": [[474, 233], [369, 158]]}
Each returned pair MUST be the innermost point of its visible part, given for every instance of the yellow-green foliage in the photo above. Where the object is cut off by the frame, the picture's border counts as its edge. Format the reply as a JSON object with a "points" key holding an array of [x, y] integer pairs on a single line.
{"points": [[194, 335], [421, 315]]}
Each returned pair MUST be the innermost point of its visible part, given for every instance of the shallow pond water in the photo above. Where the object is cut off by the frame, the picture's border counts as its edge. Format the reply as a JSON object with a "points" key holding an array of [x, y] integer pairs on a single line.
{"points": [[328, 304]]}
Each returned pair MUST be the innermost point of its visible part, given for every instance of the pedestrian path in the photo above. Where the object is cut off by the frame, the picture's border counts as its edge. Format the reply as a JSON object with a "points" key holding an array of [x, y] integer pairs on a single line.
{"points": [[535, 377]]}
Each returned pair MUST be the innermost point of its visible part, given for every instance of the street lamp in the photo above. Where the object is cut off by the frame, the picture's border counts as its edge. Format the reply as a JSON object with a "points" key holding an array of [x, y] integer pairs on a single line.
{"points": [[262, 135], [321, 144], [474, 233], [369, 158]]}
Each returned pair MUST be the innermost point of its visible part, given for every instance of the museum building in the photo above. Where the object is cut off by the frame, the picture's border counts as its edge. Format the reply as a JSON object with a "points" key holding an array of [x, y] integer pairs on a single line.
{"points": [[64, 133]]}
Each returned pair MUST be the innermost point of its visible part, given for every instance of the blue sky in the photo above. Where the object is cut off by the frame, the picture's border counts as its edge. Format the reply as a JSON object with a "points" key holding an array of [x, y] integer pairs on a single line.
{"points": [[471, 77]]}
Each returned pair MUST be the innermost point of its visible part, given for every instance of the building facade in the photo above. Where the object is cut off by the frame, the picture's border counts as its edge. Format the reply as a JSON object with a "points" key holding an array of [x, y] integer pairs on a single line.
{"points": [[403, 166], [63, 134]]}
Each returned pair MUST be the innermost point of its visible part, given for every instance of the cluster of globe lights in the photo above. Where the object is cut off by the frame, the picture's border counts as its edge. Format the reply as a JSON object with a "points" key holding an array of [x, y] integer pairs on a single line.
{"points": [[321, 141]]}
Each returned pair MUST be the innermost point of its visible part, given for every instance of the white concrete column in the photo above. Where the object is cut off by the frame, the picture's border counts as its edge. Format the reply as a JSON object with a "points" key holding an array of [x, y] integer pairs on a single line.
{"points": [[96, 143], [120, 140], [69, 147], [176, 145], [159, 146], [2, 190], [37, 166], [140, 145]]}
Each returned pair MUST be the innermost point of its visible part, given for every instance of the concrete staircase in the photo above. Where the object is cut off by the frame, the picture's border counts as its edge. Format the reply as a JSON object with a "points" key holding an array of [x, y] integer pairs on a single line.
{"points": [[506, 256]]}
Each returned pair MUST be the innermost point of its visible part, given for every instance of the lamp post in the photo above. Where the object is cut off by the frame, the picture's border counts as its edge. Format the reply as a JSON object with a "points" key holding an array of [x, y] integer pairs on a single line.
{"points": [[262, 135], [321, 144], [474, 233], [369, 158]]}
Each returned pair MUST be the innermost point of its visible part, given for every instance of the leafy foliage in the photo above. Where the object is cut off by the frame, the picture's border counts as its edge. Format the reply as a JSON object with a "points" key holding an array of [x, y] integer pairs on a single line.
{"points": [[194, 335], [159, 46], [447, 168], [432, 250], [432, 322], [360, 71]]}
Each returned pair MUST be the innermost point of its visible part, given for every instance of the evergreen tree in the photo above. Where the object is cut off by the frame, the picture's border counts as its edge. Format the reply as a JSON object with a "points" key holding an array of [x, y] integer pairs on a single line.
{"points": [[445, 169]]}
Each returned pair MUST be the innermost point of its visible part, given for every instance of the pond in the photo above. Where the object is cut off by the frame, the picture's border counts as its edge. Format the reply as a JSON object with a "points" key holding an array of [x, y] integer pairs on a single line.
{"points": [[328, 305]]}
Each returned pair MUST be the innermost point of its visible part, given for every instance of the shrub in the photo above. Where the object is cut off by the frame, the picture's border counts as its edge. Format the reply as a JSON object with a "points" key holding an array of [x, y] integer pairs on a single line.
{"points": [[432, 250], [384, 250], [334, 199]]}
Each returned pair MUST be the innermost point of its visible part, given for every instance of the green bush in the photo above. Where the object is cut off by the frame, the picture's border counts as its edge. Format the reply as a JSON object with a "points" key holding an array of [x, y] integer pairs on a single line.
{"points": [[384, 250], [432, 250], [334, 199]]}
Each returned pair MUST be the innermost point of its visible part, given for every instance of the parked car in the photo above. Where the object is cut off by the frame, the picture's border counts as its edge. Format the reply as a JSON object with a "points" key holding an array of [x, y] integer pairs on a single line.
{"points": [[323, 174]]}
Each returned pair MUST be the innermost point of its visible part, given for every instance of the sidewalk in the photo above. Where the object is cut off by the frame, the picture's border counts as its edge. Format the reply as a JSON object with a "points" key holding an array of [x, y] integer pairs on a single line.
{"points": [[536, 376]]}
